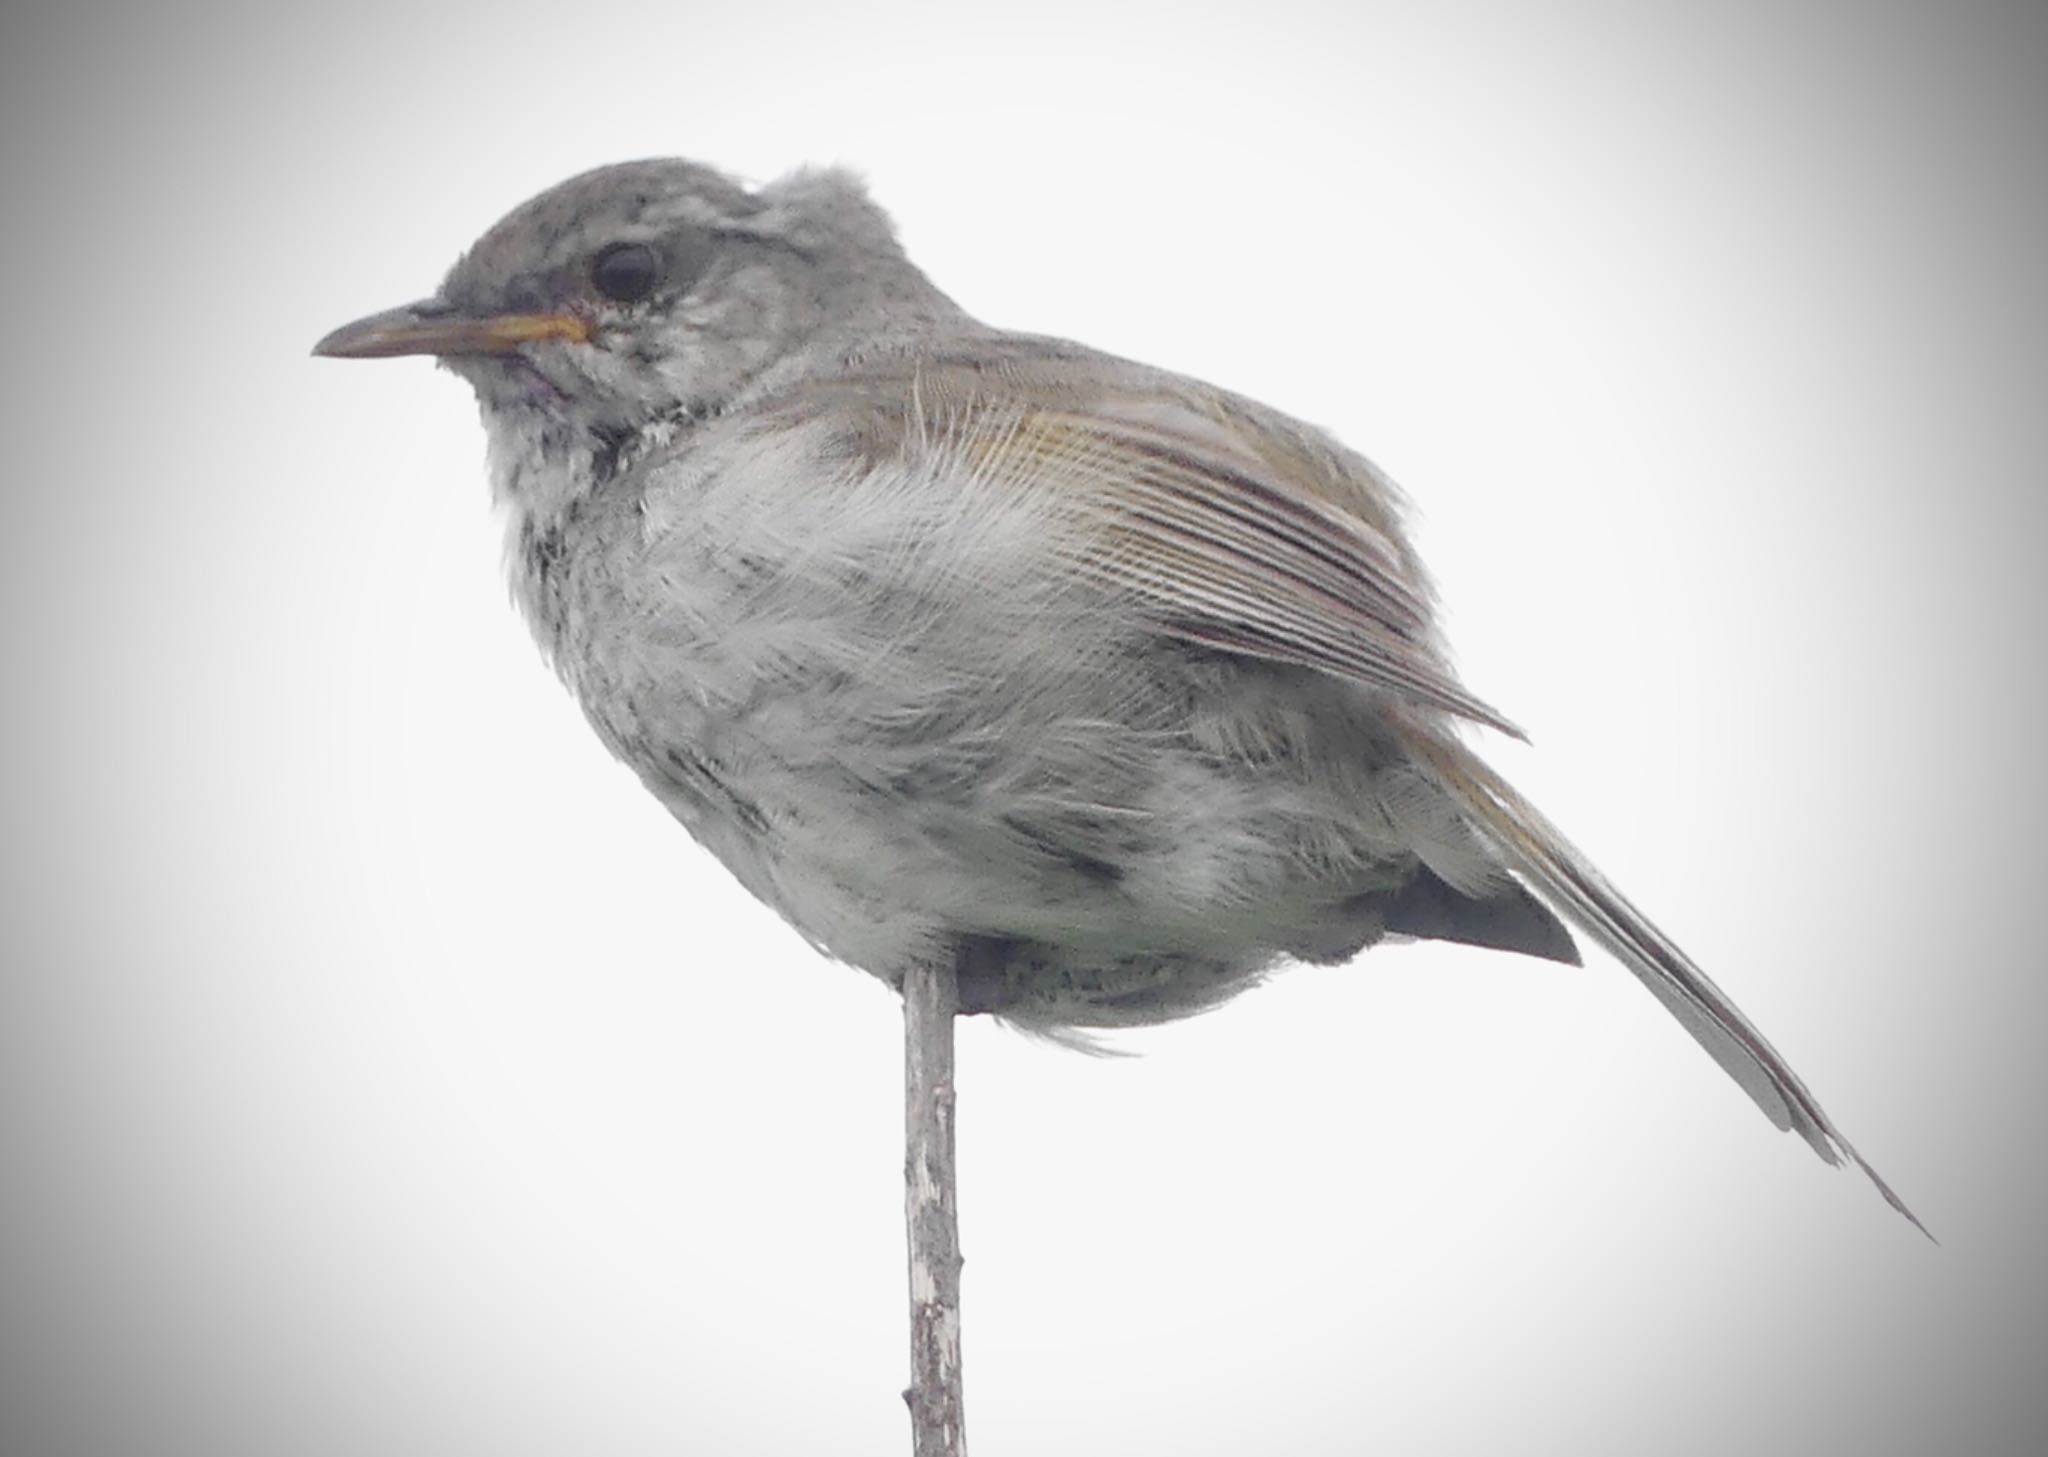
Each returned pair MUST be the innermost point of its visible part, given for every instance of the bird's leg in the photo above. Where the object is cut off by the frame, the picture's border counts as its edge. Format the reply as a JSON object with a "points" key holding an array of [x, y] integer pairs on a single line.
{"points": [[931, 1000], [981, 972]]}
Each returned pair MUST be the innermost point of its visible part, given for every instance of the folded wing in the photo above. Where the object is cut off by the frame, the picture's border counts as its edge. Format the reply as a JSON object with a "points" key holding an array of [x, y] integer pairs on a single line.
{"points": [[1242, 531]]}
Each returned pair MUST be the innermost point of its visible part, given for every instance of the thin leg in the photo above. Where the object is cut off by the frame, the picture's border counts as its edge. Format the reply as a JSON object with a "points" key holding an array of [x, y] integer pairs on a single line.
{"points": [[931, 999]]}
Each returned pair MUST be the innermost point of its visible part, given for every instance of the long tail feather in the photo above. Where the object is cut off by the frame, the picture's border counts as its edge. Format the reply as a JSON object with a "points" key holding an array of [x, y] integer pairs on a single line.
{"points": [[1534, 848]]}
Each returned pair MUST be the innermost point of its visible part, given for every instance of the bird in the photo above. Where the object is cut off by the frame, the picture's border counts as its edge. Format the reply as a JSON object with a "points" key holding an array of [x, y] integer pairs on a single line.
{"points": [[1109, 689]]}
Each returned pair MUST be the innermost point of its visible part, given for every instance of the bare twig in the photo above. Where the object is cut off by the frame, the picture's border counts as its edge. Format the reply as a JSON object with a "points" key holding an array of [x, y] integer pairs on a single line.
{"points": [[931, 999]]}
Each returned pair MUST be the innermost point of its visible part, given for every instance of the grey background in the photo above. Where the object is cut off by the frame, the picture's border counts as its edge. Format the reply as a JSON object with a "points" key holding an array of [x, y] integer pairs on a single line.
{"points": [[384, 1074]]}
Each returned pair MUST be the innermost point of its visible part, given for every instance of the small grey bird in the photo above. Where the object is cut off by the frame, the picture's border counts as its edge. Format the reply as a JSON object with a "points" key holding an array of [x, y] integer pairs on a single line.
{"points": [[1108, 688]]}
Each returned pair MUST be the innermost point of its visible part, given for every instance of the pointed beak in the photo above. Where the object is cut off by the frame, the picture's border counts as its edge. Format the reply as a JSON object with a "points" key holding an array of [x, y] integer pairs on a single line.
{"points": [[433, 326]]}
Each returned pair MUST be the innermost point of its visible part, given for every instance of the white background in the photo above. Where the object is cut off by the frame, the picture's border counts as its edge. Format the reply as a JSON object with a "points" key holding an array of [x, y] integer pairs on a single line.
{"points": [[385, 1074]]}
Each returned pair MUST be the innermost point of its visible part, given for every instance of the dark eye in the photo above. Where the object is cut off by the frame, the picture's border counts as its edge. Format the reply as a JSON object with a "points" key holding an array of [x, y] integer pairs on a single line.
{"points": [[625, 273]]}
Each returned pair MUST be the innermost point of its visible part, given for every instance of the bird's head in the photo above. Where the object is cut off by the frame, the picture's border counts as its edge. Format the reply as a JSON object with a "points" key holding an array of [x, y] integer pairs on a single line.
{"points": [[641, 297]]}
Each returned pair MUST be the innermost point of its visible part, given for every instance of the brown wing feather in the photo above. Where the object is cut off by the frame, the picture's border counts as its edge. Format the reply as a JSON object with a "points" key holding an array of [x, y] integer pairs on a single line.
{"points": [[1242, 530], [1237, 529]]}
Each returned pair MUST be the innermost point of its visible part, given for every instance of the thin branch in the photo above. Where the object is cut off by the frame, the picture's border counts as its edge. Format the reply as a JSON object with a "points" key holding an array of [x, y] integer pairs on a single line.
{"points": [[931, 999]]}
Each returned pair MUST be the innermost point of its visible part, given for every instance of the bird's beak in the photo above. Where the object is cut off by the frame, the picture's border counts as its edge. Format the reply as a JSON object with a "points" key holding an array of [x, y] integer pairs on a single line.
{"points": [[434, 326]]}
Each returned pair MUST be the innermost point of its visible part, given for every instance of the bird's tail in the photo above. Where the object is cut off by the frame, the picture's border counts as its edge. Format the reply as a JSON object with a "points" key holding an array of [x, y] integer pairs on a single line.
{"points": [[1534, 849]]}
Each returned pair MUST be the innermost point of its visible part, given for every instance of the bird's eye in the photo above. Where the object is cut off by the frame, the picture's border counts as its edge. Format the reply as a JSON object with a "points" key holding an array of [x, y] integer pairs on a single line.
{"points": [[625, 273]]}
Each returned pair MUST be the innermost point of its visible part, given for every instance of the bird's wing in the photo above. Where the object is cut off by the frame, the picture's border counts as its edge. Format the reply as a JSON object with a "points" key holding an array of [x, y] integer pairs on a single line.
{"points": [[1231, 526], [1241, 530]]}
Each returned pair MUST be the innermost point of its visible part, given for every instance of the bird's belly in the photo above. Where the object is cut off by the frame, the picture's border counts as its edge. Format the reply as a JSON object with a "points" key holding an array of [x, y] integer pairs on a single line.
{"points": [[1144, 827], [1107, 872]]}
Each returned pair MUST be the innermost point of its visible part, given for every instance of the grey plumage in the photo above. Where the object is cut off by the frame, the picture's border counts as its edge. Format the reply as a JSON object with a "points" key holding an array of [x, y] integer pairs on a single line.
{"points": [[1109, 686]]}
